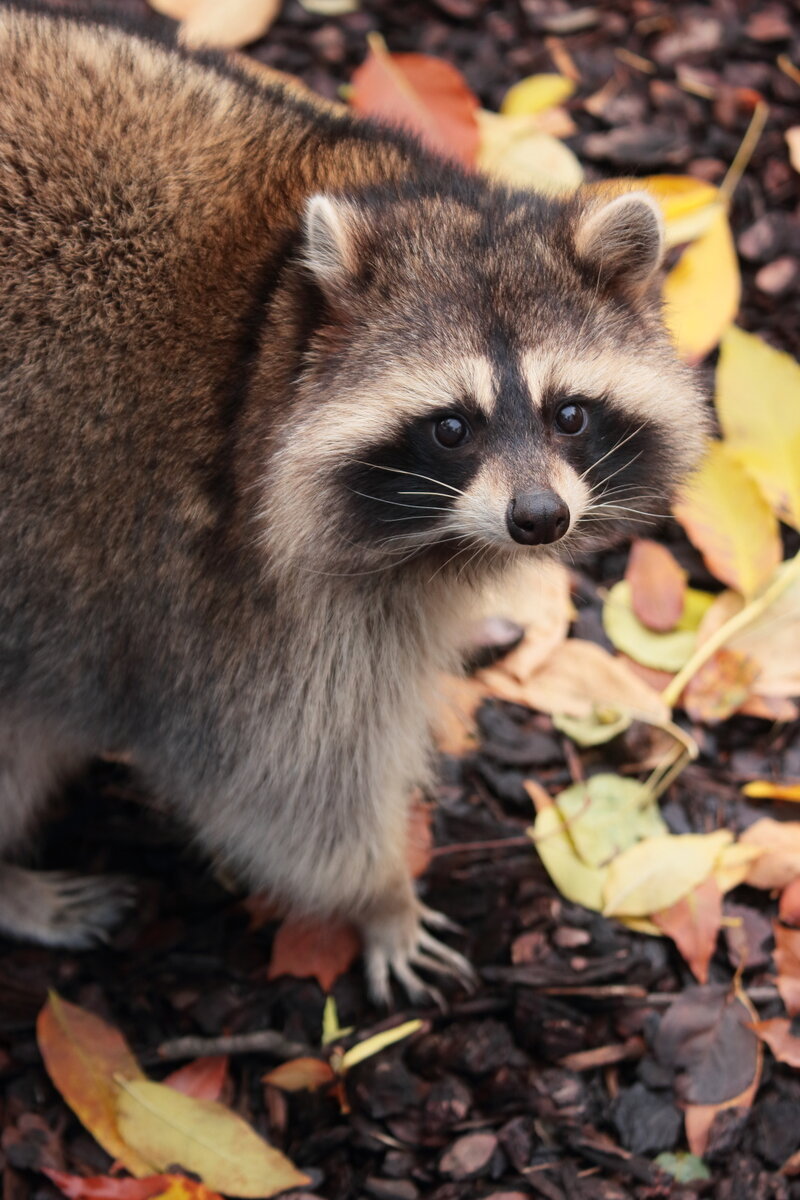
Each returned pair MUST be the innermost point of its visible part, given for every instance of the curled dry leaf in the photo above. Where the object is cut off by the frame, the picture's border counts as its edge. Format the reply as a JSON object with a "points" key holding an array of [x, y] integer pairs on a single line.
{"points": [[425, 95], [702, 292], [658, 871], [657, 585], [730, 522], [693, 923], [787, 960], [758, 403], [779, 862], [777, 1034], [206, 1138], [84, 1056], [721, 686], [659, 651]]}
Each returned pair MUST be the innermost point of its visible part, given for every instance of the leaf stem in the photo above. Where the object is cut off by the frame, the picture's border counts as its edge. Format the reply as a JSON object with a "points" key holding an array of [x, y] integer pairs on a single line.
{"points": [[739, 621], [745, 152]]}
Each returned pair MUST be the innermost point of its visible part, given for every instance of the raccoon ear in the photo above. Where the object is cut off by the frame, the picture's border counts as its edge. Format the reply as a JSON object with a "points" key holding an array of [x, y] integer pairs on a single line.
{"points": [[330, 253], [623, 240]]}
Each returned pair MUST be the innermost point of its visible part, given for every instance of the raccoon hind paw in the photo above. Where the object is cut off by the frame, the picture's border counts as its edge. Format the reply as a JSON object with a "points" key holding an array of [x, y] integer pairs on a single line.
{"points": [[55, 908]]}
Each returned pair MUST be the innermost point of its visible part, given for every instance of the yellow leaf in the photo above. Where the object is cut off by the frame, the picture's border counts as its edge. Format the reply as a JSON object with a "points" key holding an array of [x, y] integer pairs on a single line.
{"points": [[222, 26], [211, 1141], [606, 814], [83, 1056], [641, 925], [662, 651], [659, 871], [733, 865], [378, 1042], [514, 151], [793, 142], [574, 879], [689, 206], [730, 522], [762, 789], [536, 93], [702, 291], [758, 401], [601, 727]]}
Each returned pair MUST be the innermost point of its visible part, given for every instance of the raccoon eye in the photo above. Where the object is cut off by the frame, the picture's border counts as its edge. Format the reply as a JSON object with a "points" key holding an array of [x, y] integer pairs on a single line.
{"points": [[571, 417], [451, 431]]}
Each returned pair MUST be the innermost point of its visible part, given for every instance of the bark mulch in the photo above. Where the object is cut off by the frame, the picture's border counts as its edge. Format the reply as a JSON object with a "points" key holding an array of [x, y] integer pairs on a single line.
{"points": [[511, 1093]]}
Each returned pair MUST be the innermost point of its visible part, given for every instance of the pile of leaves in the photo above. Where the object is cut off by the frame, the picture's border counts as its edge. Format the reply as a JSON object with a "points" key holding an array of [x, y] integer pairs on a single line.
{"points": [[635, 915]]}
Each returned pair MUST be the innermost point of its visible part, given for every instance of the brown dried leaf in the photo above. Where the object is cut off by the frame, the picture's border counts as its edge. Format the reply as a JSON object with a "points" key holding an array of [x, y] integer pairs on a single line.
{"points": [[321, 949], [300, 1075], [658, 585], [693, 924], [778, 1035], [721, 686], [204, 1078], [787, 960], [454, 729], [789, 906], [780, 862]]}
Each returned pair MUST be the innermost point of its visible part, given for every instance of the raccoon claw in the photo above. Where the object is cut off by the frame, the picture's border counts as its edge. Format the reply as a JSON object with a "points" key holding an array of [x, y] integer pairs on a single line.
{"points": [[55, 908], [395, 947]]}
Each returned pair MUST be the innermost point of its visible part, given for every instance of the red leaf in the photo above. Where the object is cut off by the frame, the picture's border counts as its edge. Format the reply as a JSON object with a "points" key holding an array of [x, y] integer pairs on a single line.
{"points": [[787, 960], [693, 924], [322, 949], [778, 1035], [789, 906], [105, 1187], [204, 1078], [658, 585], [425, 95]]}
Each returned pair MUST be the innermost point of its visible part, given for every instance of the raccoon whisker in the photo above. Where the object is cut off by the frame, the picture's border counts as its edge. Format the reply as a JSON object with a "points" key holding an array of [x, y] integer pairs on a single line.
{"points": [[627, 508], [452, 558], [424, 517], [397, 503], [444, 495], [413, 474], [472, 557], [619, 470], [622, 442]]}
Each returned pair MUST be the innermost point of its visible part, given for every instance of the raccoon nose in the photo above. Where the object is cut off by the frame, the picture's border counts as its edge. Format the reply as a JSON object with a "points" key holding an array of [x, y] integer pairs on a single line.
{"points": [[536, 518]]}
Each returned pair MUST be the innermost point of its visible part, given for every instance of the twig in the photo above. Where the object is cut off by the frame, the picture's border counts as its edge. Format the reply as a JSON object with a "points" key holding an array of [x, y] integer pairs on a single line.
{"points": [[264, 1041], [745, 152], [479, 847]]}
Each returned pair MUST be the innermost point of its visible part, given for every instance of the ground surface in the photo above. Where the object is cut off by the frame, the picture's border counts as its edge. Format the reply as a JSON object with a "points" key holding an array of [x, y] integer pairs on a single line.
{"points": [[491, 1069]]}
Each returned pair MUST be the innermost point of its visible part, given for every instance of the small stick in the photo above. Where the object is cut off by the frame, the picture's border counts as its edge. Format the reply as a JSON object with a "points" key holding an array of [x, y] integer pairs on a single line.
{"points": [[263, 1041]]}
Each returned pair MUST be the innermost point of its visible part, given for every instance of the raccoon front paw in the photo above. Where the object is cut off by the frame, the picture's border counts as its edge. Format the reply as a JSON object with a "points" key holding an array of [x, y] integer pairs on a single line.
{"points": [[55, 908], [397, 942]]}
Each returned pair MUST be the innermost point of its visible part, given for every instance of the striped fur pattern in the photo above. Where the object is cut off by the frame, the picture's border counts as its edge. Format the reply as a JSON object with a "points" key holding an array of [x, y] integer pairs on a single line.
{"points": [[233, 327]]}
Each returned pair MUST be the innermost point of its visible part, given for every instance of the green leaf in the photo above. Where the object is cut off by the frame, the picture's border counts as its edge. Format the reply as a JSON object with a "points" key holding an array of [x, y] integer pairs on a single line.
{"points": [[662, 651], [683, 1167], [607, 814], [573, 878], [378, 1042]]}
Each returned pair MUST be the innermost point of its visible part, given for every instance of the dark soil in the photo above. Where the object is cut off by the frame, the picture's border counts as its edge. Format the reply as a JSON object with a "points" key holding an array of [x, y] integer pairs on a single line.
{"points": [[489, 1101]]}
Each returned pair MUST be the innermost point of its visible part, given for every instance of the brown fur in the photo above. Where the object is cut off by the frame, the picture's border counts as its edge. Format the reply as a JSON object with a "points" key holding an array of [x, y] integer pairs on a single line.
{"points": [[184, 372]]}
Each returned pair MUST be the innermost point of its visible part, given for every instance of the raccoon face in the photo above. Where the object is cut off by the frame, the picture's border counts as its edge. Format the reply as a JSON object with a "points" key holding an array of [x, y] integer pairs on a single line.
{"points": [[489, 377]]}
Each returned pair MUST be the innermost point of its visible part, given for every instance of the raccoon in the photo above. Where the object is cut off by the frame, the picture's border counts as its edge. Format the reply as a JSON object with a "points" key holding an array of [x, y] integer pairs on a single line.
{"points": [[280, 394]]}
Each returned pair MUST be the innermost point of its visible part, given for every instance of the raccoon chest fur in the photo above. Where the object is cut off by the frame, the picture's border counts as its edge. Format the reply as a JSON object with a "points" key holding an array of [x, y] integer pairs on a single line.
{"points": [[280, 394]]}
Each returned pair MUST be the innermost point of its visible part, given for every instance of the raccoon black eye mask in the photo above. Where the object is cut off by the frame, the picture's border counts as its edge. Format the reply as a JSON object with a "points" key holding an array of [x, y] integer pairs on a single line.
{"points": [[281, 393]]}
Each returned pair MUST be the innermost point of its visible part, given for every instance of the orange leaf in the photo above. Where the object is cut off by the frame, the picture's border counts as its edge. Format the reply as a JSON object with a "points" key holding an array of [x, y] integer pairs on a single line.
{"points": [[424, 95], [789, 906], [658, 585], [720, 687], [420, 837], [454, 727], [693, 924], [83, 1055], [764, 789], [780, 862], [106, 1187], [778, 1035], [204, 1078], [321, 949], [300, 1074], [787, 960]]}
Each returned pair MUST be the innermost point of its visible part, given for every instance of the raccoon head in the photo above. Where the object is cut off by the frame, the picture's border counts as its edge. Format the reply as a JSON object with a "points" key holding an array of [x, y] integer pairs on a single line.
{"points": [[487, 376]]}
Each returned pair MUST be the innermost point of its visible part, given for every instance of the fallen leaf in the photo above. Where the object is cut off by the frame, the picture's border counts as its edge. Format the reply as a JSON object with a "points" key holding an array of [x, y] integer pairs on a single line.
{"points": [[764, 789], [204, 1078], [108, 1187], [424, 95], [789, 903], [379, 1041], [330, 8], [683, 1167], [787, 960], [793, 142], [574, 879], [779, 863], [224, 27], [778, 1035], [720, 687], [657, 585], [540, 602], [705, 1038], [689, 206], [321, 949], [454, 728], [658, 871], [517, 152], [693, 923], [606, 814], [83, 1056], [536, 93], [660, 651], [758, 403], [206, 1138], [420, 837], [596, 730], [701, 293], [733, 865], [770, 708], [301, 1074], [578, 679], [730, 522]]}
